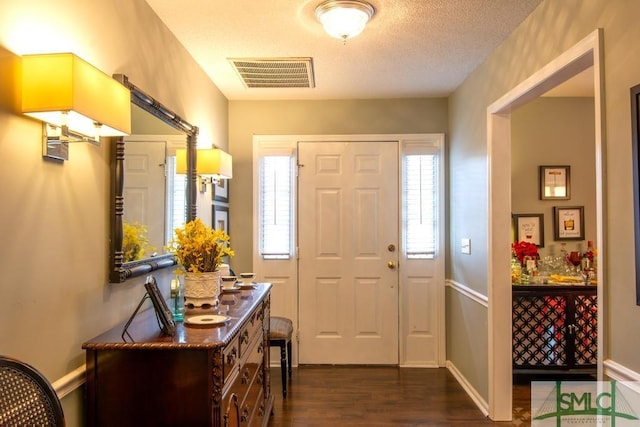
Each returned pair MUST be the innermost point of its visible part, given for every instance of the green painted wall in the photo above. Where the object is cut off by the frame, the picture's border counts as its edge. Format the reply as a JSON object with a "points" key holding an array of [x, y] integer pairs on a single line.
{"points": [[554, 27]]}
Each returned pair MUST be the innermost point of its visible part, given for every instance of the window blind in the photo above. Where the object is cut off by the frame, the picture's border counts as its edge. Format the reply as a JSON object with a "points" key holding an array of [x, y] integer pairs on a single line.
{"points": [[420, 205], [275, 207]]}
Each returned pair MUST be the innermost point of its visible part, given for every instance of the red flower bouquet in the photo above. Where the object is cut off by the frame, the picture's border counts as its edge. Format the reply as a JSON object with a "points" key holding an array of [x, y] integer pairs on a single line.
{"points": [[523, 249]]}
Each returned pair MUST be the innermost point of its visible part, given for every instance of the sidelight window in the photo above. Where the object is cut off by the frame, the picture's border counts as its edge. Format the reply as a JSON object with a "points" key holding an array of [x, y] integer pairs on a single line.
{"points": [[420, 184], [275, 201]]}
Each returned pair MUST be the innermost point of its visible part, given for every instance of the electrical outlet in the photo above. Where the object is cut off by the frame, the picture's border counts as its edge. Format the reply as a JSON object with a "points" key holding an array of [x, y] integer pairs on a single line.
{"points": [[466, 246]]}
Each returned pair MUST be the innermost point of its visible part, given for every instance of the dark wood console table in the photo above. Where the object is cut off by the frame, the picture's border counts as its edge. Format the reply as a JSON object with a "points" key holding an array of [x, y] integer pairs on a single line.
{"points": [[554, 328], [201, 376]]}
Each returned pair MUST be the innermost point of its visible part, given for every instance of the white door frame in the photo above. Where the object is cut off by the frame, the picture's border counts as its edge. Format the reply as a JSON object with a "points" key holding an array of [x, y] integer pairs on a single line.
{"points": [[283, 273], [588, 52]]}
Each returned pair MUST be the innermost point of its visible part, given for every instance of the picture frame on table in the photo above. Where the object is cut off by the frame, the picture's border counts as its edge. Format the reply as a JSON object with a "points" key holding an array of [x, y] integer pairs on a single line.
{"points": [[555, 182], [220, 189], [163, 313], [529, 228], [569, 222], [221, 217]]}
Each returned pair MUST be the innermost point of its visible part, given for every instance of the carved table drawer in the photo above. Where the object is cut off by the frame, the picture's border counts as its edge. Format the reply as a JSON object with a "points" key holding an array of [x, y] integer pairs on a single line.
{"points": [[230, 358], [252, 398], [251, 329], [253, 402], [250, 364]]}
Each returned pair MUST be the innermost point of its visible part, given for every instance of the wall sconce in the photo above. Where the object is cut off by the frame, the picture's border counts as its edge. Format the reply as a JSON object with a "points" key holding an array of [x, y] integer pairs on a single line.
{"points": [[76, 101], [212, 165]]}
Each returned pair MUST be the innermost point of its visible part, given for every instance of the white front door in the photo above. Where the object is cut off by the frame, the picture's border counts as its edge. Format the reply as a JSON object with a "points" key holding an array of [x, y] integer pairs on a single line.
{"points": [[348, 252], [144, 189]]}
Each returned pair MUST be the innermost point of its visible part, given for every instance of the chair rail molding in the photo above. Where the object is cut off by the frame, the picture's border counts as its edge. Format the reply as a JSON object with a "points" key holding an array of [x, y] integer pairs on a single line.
{"points": [[618, 372], [468, 292], [71, 381]]}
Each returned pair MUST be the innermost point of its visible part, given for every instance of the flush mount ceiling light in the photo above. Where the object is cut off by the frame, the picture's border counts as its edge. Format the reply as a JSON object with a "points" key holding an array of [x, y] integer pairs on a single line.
{"points": [[344, 19]]}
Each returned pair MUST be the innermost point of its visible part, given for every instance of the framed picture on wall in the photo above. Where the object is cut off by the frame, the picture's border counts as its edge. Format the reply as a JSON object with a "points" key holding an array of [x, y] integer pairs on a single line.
{"points": [[221, 217], [569, 222], [529, 228], [220, 190], [555, 182]]}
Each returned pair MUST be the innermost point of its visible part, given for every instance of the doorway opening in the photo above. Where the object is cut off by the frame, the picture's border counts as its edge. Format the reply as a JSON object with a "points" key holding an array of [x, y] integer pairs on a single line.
{"points": [[585, 54]]}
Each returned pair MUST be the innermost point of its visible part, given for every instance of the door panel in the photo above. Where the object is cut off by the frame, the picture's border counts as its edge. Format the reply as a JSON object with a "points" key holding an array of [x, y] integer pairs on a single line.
{"points": [[348, 215], [144, 188]]}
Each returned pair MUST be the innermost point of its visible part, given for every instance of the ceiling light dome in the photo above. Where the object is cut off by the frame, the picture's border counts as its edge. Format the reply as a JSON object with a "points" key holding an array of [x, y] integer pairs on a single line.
{"points": [[344, 19]]}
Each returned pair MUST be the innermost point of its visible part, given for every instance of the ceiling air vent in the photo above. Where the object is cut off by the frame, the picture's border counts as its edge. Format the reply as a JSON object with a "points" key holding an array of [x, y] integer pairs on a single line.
{"points": [[275, 72]]}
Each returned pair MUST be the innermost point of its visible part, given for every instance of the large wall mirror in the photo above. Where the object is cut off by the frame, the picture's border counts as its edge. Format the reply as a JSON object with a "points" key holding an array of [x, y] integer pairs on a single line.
{"points": [[149, 200]]}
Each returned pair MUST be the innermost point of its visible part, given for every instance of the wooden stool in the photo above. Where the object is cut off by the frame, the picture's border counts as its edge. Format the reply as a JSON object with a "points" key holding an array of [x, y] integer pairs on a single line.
{"points": [[280, 331]]}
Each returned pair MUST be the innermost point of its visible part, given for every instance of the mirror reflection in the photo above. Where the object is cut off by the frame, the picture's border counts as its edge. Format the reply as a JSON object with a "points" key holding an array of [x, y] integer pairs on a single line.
{"points": [[149, 200], [154, 195]]}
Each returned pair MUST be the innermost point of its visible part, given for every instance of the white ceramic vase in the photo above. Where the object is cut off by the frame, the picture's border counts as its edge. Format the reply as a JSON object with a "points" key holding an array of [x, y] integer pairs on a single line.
{"points": [[201, 288]]}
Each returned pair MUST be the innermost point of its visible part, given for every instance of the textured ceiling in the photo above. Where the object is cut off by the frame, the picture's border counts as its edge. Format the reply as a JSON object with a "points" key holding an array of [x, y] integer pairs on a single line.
{"points": [[411, 48]]}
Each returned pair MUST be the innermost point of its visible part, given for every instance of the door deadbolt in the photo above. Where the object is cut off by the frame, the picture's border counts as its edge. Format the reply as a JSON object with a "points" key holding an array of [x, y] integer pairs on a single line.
{"points": [[391, 247]]}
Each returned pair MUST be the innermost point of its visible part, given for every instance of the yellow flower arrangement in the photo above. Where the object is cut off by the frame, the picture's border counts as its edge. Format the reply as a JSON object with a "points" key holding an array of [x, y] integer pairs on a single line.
{"points": [[134, 241], [200, 248]]}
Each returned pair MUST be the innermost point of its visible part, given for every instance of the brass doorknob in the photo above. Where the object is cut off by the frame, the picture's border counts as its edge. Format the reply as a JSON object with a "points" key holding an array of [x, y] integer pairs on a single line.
{"points": [[391, 265]]}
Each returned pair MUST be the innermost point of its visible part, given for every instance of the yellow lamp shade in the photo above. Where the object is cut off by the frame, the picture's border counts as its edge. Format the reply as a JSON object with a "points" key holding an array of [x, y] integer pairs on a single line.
{"points": [[62, 89], [181, 161], [215, 163], [211, 162]]}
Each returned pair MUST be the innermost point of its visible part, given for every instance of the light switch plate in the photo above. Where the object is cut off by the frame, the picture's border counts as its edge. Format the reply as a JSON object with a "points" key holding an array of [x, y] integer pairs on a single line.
{"points": [[466, 246]]}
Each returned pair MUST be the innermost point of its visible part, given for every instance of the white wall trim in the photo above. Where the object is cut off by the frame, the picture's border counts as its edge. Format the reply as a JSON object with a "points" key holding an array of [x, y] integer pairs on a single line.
{"points": [[428, 365], [582, 55], [472, 392], [70, 381], [468, 292], [618, 372]]}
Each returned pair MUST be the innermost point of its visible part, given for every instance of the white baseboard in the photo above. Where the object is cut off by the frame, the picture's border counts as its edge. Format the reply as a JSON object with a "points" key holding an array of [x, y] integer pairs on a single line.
{"points": [[472, 392], [426, 365]]}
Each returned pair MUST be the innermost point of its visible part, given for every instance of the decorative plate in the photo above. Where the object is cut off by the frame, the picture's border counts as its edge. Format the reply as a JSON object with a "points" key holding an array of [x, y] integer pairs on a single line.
{"points": [[207, 319]]}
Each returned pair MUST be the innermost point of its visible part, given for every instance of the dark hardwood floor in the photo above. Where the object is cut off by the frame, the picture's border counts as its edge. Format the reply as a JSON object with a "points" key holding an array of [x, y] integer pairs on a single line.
{"points": [[381, 396]]}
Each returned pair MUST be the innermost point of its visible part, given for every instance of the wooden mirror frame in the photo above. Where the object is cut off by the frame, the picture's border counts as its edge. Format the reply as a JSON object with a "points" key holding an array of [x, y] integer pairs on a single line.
{"points": [[120, 271], [635, 149]]}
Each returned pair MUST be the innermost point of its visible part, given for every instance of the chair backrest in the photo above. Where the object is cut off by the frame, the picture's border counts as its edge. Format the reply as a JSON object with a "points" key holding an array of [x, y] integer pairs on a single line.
{"points": [[27, 397]]}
